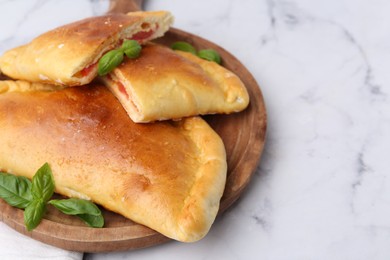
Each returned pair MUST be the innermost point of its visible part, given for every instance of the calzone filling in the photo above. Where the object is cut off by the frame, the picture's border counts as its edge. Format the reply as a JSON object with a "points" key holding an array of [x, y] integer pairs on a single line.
{"points": [[124, 95], [145, 34]]}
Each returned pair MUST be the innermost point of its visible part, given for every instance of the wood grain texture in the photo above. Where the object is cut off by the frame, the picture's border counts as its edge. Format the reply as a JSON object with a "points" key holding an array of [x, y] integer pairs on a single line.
{"points": [[243, 135]]}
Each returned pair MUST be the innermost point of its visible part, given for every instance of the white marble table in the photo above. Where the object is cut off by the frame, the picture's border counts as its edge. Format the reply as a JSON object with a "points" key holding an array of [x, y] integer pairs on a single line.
{"points": [[322, 190]]}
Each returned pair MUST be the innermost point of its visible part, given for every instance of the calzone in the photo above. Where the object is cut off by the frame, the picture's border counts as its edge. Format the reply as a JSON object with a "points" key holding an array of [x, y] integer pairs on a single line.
{"points": [[169, 176], [164, 84], [68, 55]]}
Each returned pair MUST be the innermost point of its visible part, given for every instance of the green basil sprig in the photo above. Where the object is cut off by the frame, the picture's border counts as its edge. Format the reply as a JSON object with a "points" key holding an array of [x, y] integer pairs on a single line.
{"points": [[42, 188], [131, 48], [210, 55], [33, 196], [15, 190], [109, 61], [33, 213], [84, 209], [206, 54], [183, 46], [113, 58]]}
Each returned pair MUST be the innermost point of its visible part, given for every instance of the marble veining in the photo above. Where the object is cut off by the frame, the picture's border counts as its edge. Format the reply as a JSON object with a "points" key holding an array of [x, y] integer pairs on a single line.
{"points": [[322, 189]]}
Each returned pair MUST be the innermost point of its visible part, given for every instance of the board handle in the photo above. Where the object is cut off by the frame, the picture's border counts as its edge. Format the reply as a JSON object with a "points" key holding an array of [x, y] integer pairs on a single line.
{"points": [[125, 6]]}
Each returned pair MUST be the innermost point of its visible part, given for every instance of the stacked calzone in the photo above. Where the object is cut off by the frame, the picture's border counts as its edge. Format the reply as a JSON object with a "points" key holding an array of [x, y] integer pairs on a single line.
{"points": [[68, 55], [166, 174]]}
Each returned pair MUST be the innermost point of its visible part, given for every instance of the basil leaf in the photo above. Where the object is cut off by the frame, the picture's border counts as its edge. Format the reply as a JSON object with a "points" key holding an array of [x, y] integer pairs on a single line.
{"points": [[15, 190], [42, 186], [183, 46], [91, 220], [210, 55], [76, 206], [33, 213], [84, 209], [131, 48], [109, 61]]}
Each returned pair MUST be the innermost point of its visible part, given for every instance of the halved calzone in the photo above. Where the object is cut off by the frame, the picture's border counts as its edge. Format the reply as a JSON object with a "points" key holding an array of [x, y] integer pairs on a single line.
{"points": [[68, 55], [167, 175], [164, 84]]}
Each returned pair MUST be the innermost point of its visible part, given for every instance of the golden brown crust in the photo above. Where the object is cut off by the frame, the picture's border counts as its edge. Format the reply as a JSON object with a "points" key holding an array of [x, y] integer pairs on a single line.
{"points": [[163, 84], [58, 56], [25, 86], [168, 175]]}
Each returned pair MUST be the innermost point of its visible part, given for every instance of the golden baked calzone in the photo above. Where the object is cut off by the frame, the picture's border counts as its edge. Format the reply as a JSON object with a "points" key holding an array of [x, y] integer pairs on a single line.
{"points": [[169, 176], [68, 55], [165, 84]]}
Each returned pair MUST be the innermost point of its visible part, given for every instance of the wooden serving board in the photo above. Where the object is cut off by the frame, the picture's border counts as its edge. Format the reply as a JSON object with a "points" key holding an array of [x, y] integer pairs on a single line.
{"points": [[243, 135]]}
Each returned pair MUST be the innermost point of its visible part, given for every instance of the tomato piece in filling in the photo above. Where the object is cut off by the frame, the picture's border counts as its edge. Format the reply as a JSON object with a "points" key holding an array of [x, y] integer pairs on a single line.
{"points": [[122, 89], [139, 36], [87, 70]]}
